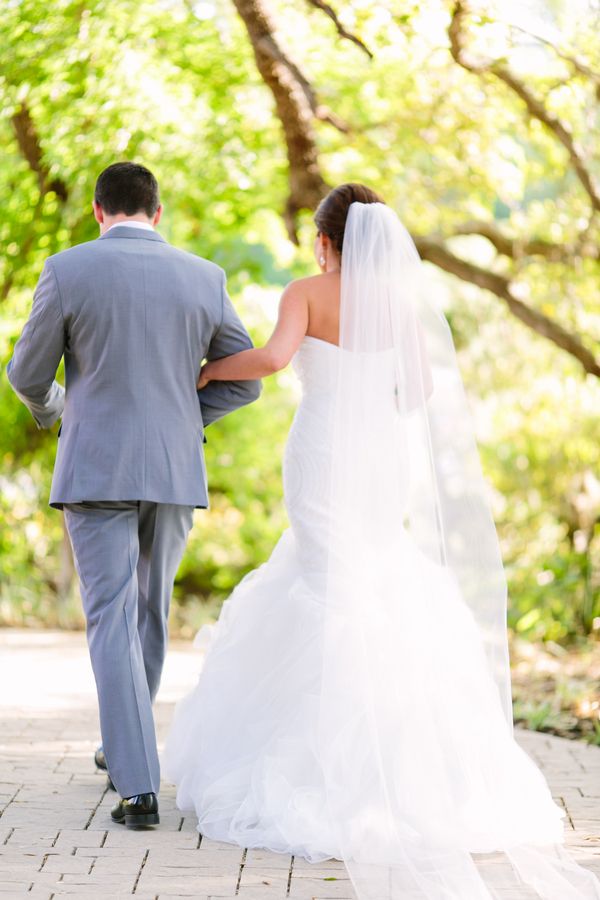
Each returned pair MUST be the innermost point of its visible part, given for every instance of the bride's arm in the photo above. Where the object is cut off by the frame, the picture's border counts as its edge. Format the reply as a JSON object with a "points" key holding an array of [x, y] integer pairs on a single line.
{"points": [[291, 326]]}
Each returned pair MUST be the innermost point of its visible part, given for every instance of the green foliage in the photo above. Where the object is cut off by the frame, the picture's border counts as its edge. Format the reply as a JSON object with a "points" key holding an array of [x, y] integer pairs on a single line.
{"points": [[179, 91], [538, 438], [537, 717], [555, 689]]}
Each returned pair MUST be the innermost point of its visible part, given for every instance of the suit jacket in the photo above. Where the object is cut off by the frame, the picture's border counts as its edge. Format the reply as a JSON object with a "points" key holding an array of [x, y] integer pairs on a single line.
{"points": [[134, 317]]}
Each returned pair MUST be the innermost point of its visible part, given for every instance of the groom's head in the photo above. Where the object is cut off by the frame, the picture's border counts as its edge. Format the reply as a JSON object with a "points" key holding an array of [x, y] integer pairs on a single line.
{"points": [[126, 191]]}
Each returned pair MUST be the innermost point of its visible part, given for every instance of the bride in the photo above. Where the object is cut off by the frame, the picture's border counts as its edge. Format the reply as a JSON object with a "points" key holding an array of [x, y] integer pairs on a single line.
{"points": [[355, 698]]}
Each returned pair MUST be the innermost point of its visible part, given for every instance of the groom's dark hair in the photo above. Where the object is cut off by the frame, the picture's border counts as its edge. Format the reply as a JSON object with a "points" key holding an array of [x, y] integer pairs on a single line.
{"points": [[129, 188]]}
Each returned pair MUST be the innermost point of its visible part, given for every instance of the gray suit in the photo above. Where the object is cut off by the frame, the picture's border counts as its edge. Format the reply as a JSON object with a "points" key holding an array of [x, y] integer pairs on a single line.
{"points": [[133, 317]]}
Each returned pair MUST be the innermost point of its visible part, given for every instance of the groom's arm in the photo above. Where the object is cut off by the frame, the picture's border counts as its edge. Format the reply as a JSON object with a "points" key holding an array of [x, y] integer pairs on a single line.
{"points": [[219, 398], [38, 353]]}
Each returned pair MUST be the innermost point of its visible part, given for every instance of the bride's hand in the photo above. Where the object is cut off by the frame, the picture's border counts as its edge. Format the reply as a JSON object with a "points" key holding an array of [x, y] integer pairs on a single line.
{"points": [[204, 377]]}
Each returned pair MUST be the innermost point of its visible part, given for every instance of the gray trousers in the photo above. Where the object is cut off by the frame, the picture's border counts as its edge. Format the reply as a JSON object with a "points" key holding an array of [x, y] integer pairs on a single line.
{"points": [[126, 555]]}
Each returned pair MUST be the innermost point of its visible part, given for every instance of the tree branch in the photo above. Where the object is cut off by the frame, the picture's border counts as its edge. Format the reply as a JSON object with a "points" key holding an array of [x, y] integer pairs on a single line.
{"points": [[31, 150], [296, 105], [517, 248], [347, 35], [437, 253], [534, 106], [580, 67], [296, 108]]}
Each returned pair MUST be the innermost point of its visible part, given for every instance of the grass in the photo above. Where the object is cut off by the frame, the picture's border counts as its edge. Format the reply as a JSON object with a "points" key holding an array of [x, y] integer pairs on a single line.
{"points": [[557, 689]]}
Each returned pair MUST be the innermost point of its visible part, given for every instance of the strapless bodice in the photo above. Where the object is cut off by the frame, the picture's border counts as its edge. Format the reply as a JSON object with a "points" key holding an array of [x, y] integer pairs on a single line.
{"points": [[307, 455], [315, 363]]}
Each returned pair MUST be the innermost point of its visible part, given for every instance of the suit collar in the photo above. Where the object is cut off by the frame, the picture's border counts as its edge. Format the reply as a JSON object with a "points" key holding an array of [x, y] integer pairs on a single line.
{"points": [[126, 231]]}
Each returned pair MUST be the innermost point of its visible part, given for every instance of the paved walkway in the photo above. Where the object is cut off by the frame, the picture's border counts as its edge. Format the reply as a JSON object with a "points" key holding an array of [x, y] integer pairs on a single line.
{"points": [[56, 836]]}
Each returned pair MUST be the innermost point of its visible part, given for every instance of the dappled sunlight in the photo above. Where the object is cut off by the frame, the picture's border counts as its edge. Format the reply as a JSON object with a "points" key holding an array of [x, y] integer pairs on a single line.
{"points": [[493, 176], [55, 826], [477, 122], [48, 675]]}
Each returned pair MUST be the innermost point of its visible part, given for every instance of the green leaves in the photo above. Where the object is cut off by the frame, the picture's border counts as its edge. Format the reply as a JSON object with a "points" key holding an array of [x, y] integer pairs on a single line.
{"points": [[108, 80]]}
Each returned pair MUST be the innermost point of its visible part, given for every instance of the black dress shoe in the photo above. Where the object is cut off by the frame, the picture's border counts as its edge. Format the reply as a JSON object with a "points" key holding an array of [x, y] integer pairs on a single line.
{"points": [[100, 760], [136, 812]]}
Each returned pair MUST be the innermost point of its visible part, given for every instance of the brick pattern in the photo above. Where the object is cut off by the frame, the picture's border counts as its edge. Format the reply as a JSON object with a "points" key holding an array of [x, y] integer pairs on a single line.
{"points": [[57, 838]]}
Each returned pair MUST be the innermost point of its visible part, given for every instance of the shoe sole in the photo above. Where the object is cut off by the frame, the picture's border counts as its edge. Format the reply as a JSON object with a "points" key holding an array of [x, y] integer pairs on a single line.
{"points": [[142, 821]]}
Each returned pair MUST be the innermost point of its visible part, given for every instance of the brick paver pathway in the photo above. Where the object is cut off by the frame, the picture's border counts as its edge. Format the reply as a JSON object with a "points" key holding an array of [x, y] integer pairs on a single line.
{"points": [[56, 836]]}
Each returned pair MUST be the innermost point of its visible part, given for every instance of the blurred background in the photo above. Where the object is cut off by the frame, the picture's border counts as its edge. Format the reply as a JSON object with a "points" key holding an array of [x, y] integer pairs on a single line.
{"points": [[478, 123]]}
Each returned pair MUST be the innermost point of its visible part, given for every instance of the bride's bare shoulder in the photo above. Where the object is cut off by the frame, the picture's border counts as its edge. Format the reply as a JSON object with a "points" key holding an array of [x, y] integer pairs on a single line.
{"points": [[313, 285]]}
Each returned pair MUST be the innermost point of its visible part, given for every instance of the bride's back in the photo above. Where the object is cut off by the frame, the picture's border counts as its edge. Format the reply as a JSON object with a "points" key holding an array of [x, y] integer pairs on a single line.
{"points": [[323, 298]]}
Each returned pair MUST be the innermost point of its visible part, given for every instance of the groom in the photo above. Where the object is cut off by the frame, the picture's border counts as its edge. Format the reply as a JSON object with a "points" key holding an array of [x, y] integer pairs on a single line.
{"points": [[133, 317]]}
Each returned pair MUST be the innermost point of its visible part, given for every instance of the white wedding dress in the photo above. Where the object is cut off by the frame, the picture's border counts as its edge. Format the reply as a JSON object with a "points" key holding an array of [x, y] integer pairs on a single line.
{"points": [[274, 748], [242, 748]]}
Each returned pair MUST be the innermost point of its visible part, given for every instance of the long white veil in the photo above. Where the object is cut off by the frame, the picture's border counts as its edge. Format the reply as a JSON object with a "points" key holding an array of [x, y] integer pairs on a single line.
{"points": [[415, 725]]}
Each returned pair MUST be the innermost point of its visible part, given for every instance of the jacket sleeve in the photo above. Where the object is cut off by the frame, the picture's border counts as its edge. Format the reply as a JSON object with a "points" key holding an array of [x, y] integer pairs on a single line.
{"points": [[38, 353], [221, 397]]}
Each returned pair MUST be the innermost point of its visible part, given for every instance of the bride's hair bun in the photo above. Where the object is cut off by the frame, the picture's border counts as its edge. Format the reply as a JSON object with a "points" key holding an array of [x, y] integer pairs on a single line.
{"points": [[332, 212]]}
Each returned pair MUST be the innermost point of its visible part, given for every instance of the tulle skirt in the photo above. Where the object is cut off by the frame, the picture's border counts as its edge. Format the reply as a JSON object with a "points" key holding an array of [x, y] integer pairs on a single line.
{"points": [[245, 748]]}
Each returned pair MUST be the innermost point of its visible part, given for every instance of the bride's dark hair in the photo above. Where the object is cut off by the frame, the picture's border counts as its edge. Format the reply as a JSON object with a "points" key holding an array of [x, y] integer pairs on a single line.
{"points": [[332, 212]]}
